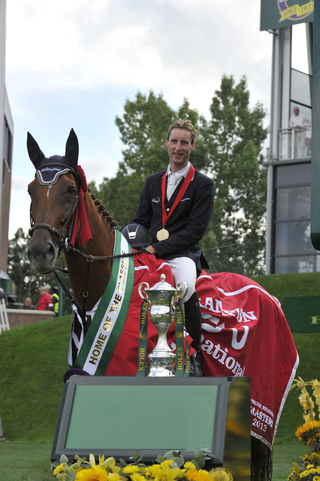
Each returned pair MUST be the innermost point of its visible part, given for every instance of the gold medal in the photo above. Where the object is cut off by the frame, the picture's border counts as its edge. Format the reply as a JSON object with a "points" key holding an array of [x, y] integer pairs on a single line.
{"points": [[162, 234]]}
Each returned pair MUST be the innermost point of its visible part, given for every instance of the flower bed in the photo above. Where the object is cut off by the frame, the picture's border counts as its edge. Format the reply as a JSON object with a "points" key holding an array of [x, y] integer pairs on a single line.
{"points": [[307, 467], [170, 467]]}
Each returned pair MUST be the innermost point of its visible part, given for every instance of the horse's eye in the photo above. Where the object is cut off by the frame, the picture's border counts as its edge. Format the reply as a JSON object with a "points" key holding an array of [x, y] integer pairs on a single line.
{"points": [[71, 190]]}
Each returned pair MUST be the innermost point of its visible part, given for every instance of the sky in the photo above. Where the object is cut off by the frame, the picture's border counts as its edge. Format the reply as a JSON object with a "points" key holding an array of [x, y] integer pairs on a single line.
{"points": [[73, 64]]}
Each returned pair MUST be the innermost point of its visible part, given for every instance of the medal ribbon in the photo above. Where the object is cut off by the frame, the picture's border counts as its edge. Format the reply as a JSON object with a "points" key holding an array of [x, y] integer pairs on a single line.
{"points": [[185, 185]]}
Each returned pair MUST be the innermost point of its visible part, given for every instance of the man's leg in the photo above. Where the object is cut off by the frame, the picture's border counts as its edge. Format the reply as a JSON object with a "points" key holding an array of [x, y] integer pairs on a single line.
{"points": [[184, 270]]}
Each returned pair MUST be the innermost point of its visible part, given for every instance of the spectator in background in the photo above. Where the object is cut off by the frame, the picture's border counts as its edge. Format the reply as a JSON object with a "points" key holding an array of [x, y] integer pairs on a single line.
{"points": [[45, 301], [3, 296], [28, 304], [55, 300], [298, 122]]}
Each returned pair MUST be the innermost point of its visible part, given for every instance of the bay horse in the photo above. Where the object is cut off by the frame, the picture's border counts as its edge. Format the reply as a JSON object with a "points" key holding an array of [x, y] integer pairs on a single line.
{"points": [[64, 215]]}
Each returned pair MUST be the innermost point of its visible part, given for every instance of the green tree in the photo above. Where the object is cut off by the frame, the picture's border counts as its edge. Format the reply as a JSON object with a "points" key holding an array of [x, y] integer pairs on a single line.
{"points": [[27, 281], [143, 130], [233, 139]]}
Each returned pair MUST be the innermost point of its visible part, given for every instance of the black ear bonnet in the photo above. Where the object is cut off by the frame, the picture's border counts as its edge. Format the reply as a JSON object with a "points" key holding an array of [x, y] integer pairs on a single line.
{"points": [[48, 170]]}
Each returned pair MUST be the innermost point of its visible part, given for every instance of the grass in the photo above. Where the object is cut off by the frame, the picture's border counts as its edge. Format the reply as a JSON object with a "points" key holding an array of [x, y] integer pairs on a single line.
{"points": [[286, 285], [33, 360], [22, 460]]}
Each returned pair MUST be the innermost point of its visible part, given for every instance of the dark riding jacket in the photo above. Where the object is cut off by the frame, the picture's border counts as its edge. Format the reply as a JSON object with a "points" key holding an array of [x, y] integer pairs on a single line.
{"points": [[187, 223]]}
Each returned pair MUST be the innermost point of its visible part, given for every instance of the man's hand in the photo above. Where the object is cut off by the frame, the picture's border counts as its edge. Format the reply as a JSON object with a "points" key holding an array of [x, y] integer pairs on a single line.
{"points": [[151, 250]]}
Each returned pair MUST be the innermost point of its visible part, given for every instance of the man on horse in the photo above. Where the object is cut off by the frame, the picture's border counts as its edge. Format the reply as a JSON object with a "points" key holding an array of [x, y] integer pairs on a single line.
{"points": [[176, 206]]}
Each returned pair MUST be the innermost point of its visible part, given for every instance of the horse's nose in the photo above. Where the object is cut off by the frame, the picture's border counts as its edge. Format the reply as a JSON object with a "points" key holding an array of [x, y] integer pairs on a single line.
{"points": [[42, 255], [47, 252]]}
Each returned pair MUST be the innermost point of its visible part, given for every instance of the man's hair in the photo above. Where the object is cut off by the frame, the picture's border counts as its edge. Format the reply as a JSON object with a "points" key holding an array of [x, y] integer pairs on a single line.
{"points": [[184, 124]]}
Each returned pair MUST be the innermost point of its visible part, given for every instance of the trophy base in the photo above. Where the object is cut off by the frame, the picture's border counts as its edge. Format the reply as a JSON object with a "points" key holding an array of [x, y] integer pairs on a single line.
{"points": [[161, 365], [156, 371]]}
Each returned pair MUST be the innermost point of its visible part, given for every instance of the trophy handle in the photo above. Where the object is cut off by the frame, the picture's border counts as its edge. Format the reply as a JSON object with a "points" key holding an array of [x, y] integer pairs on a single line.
{"points": [[142, 294], [182, 288]]}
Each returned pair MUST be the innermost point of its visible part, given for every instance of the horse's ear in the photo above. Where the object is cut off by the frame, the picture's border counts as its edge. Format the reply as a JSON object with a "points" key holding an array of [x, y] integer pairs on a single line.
{"points": [[35, 153], [72, 148]]}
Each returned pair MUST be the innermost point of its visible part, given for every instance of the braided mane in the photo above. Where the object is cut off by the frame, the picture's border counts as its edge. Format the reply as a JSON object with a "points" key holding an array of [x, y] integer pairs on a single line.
{"points": [[102, 209]]}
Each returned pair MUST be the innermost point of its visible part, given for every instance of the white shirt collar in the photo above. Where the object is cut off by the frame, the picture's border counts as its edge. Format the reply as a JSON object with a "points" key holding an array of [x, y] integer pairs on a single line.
{"points": [[181, 173]]}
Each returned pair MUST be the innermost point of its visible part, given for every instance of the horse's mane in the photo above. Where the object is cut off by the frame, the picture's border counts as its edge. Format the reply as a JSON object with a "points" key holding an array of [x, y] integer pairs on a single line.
{"points": [[102, 209]]}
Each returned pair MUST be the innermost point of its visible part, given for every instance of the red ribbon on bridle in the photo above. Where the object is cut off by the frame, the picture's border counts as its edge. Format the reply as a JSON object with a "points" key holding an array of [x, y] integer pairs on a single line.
{"points": [[81, 214]]}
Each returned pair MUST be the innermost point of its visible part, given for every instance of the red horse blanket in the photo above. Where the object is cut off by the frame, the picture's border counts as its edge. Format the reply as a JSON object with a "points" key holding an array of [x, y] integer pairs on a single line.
{"points": [[244, 333]]}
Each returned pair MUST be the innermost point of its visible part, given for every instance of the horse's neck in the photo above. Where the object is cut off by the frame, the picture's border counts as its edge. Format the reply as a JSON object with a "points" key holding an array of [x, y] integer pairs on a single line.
{"points": [[101, 244]]}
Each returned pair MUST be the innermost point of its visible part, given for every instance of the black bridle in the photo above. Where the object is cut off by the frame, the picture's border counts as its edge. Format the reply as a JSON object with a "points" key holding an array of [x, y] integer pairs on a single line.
{"points": [[64, 234]]}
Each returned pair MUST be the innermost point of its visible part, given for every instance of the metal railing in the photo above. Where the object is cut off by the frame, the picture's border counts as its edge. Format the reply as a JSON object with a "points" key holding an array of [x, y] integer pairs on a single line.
{"points": [[295, 143]]}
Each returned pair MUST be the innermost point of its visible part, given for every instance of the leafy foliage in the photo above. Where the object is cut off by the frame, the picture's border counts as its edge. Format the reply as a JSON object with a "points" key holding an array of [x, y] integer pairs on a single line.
{"points": [[233, 140]]}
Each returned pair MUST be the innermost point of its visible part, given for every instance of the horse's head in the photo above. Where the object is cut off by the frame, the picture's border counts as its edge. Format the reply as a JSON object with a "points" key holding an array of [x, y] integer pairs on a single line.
{"points": [[54, 199]]}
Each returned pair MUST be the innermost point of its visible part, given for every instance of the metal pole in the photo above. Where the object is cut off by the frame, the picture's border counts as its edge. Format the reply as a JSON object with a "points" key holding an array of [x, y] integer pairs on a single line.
{"points": [[2, 95]]}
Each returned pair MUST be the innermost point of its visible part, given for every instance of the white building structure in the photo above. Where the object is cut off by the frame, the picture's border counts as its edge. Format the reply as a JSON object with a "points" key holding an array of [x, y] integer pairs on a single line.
{"points": [[6, 143]]}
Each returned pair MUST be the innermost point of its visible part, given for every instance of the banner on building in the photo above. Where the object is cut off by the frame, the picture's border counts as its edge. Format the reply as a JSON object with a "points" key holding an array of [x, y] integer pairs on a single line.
{"points": [[284, 13]]}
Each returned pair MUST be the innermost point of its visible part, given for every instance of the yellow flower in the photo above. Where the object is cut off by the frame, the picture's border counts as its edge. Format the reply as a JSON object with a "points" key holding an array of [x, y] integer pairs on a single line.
{"points": [[150, 471], [58, 469], [203, 476], [189, 465], [164, 472], [137, 477], [316, 392], [96, 473], [304, 473], [220, 474], [116, 477], [306, 402], [191, 474], [302, 431], [167, 462], [307, 418], [130, 469]]}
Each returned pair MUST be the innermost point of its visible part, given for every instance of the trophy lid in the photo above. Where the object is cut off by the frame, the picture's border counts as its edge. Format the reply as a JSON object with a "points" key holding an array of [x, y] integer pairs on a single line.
{"points": [[162, 286]]}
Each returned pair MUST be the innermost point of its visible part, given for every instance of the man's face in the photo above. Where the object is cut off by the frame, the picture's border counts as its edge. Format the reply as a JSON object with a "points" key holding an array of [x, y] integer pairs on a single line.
{"points": [[296, 111], [179, 148]]}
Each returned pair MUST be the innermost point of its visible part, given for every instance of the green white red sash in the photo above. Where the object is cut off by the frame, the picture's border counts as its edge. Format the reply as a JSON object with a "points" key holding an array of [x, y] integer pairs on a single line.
{"points": [[105, 329]]}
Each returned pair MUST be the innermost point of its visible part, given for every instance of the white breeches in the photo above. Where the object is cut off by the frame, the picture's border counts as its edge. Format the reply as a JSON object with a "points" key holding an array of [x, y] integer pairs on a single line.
{"points": [[184, 270]]}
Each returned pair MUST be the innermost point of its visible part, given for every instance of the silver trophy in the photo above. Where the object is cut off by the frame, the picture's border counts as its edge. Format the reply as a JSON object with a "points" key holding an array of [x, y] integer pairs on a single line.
{"points": [[162, 299]]}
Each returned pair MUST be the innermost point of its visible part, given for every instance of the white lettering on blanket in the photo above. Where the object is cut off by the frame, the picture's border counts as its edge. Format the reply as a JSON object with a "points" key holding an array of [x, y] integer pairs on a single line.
{"points": [[215, 306], [221, 355], [261, 420]]}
